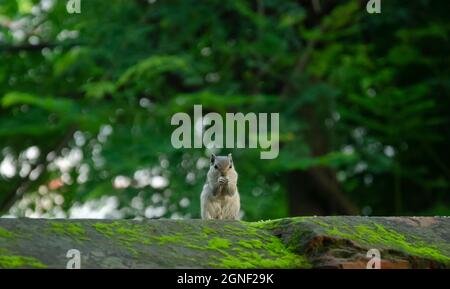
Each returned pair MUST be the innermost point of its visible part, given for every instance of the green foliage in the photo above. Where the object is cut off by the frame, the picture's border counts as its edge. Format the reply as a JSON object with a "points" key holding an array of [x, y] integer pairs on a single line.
{"points": [[365, 96], [45, 103]]}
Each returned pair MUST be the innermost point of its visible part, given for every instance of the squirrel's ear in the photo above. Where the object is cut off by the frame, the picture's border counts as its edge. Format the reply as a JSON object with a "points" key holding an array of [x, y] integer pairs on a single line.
{"points": [[213, 158], [230, 157]]}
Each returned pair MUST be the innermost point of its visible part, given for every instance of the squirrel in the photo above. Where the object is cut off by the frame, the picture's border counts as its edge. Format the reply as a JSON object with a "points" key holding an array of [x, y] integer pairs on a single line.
{"points": [[220, 197]]}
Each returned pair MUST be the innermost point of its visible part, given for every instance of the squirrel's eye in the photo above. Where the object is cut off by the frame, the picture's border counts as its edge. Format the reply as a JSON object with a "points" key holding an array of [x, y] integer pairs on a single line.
{"points": [[216, 167], [231, 166]]}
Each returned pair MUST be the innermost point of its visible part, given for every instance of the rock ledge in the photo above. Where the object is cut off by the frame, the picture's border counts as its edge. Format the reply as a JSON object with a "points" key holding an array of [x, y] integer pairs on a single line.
{"points": [[300, 242]]}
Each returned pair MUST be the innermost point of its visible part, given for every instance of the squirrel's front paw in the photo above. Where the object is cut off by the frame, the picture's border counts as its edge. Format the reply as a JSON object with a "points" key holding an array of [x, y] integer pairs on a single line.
{"points": [[223, 180]]}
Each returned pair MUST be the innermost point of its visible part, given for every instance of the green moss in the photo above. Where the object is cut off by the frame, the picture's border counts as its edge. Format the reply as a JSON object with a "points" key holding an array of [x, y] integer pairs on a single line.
{"points": [[208, 231], [219, 243], [234, 229], [239, 244], [336, 232], [267, 224], [254, 259], [130, 232], [249, 230], [272, 224], [5, 233], [243, 247], [128, 235], [175, 238], [133, 234], [251, 244], [255, 248], [11, 261], [383, 237], [73, 230], [254, 253], [104, 228], [245, 244], [323, 224]]}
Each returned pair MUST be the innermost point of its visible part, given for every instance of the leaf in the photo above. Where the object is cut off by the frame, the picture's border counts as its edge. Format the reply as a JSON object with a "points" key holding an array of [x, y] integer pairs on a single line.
{"points": [[63, 63], [151, 67], [47, 103], [98, 90]]}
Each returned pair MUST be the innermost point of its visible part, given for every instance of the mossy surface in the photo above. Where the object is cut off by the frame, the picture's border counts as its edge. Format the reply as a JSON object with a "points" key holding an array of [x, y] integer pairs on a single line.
{"points": [[255, 253], [376, 232], [235, 245], [73, 230], [219, 243], [377, 235], [125, 231], [127, 234], [5, 233], [252, 247], [283, 243], [12, 261]]}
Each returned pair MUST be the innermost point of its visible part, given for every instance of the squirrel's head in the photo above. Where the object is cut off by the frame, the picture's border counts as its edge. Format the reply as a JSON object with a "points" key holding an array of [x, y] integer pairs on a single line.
{"points": [[221, 164]]}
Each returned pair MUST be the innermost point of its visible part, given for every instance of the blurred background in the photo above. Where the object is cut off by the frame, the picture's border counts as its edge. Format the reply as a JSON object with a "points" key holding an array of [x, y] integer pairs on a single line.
{"points": [[86, 101]]}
